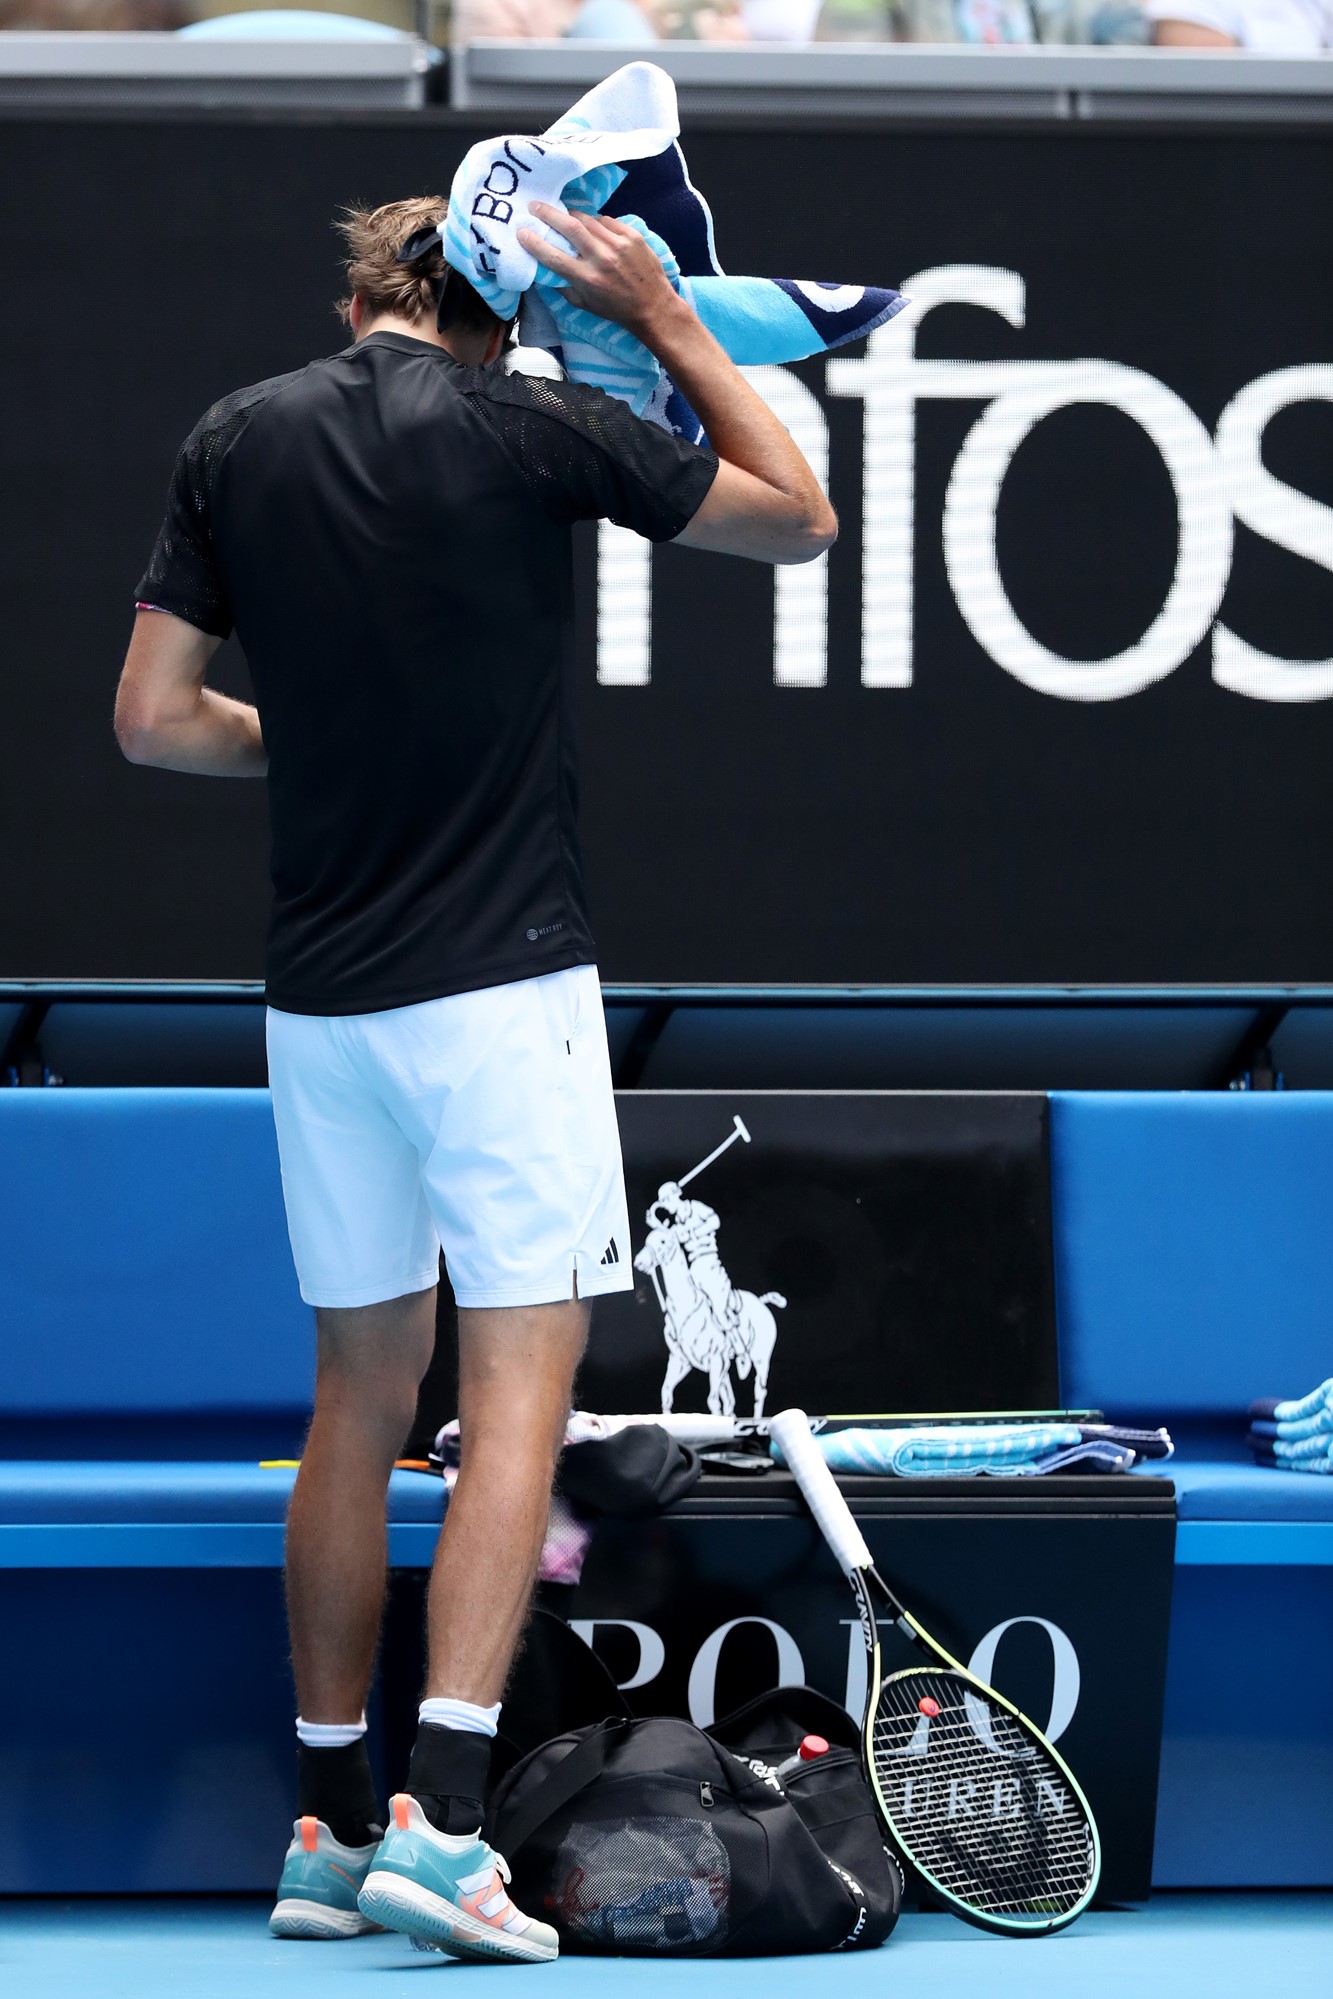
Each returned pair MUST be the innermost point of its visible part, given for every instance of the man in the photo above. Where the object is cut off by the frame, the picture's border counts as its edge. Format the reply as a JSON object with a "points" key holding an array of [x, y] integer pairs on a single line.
{"points": [[695, 1226], [388, 532]]}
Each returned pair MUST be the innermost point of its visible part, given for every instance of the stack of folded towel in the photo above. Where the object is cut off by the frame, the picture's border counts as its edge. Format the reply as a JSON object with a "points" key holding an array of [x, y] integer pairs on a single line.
{"points": [[1298, 1436], [1006, 1450]]}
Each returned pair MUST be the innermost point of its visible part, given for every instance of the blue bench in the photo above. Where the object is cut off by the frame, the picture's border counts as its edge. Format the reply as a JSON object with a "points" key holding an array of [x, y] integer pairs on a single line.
{"points": [[156, 1348], [1194, 1273]]}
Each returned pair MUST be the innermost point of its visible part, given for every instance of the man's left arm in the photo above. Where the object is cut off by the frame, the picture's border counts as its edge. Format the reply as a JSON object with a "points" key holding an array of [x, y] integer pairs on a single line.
{"points": [[166, 716]]}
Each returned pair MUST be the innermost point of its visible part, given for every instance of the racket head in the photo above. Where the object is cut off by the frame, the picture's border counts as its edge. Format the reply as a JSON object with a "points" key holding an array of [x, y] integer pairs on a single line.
{"points": [[979, 1802]]}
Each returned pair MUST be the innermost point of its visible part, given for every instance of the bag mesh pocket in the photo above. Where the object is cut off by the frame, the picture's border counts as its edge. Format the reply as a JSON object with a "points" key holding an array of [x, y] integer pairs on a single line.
{"points": [[643, 1884]]}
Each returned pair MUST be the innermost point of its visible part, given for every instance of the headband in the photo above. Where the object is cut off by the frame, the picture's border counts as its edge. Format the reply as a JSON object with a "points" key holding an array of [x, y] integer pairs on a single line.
{"points": [[419, 244]]}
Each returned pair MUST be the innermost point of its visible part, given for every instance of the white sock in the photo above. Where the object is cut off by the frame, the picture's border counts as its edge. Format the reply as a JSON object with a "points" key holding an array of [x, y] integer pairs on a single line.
{"points": [[442, 1712], [331, 1734]]}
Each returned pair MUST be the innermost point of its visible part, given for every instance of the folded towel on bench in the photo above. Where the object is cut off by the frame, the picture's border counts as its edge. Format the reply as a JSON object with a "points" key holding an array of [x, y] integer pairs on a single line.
{"points": [[1304, 1454], [1296, 1435], [947, 1450], [616, 152], [1319, 1462]]}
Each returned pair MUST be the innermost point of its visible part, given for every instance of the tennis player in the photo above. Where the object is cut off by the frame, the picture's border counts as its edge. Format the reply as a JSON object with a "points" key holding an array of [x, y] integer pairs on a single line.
{"points": [[388, 532]]}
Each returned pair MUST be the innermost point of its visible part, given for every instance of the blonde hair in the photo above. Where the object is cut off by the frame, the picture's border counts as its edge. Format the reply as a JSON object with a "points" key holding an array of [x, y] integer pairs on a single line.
{"points": [[374, 236]]}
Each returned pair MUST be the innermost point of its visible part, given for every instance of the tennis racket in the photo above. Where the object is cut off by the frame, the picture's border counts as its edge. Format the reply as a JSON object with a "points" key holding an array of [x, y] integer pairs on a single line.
{"points": [[972, 1795]]}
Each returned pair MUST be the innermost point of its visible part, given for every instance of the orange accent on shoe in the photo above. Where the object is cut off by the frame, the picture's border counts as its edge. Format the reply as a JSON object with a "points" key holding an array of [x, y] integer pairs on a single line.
{"points": [[400, 1818], [472, 1903], [309, 1834]]}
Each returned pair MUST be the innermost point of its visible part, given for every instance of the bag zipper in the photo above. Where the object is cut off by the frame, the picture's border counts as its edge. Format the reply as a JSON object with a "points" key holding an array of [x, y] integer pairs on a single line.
{"points": [[706, 1796]]}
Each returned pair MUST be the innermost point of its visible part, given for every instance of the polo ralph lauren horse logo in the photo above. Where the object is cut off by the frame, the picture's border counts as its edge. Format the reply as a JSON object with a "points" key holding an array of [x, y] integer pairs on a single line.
{"points": [[708, 1323]]}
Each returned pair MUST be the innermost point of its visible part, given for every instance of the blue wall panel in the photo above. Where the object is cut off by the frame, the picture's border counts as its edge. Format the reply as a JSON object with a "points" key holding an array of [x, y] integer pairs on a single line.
{"points": [[1194, 1248], [144, 1262]]}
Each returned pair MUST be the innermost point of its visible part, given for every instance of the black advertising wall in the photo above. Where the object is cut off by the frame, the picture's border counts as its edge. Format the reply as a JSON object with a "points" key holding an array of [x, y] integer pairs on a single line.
{"points": [[1060, 1599], [832, 1222], [849, 1252], [1033, 732]]}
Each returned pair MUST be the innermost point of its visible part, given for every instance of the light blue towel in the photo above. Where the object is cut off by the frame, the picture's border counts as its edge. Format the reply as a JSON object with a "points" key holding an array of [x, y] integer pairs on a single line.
{"points": [[947, 1450], [1300, 1449], [616, 152], [1296, 1435], [1319, 1399], [1316, 1455], [1292, 1431]]}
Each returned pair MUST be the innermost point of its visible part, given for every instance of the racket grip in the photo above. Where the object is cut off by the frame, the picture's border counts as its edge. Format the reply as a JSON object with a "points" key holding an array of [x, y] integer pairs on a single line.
{"points": [[791, 1433]]}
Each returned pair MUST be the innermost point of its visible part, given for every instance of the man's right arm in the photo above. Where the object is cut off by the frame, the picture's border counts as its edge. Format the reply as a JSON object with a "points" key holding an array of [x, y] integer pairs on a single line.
{"points": [[765, 502]]}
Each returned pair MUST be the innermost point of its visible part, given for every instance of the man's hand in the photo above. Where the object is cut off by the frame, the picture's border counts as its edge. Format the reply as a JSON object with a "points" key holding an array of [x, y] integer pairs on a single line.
{"points": [[608, 269], [765, 501]]}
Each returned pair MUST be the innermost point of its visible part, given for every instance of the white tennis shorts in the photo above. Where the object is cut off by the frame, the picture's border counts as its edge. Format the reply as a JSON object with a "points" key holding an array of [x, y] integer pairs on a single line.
{"points": [[483, 1123]]}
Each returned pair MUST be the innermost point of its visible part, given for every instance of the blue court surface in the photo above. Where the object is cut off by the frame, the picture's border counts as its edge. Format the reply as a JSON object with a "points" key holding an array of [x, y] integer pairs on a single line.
{"points": [[1208, 1946]]}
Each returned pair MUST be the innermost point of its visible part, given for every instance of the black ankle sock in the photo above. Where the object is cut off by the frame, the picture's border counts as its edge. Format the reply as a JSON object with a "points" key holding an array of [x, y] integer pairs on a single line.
{"points": [[451, 1814], [448, 1776], [336, 1785]]}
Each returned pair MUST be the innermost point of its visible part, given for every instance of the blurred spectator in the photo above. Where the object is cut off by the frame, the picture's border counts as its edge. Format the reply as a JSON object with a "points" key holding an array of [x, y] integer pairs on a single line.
{"points": [[994, 21], [515, 20], [291, 24], [104, 16], [780, 20], [612, 21], [1273, 27]]}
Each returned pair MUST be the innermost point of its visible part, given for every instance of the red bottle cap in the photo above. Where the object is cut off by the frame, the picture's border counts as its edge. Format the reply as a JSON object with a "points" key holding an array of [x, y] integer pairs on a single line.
{"points": [[812, 1746]]}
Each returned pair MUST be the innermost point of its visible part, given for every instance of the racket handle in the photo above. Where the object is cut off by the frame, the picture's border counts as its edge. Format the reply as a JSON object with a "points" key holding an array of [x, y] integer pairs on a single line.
{"points": [[804, 1460]]}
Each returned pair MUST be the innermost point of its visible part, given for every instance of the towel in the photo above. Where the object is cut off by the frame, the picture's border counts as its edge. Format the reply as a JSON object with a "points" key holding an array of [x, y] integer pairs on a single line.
{"points": [[1280, 1450], [1142, 1443], [1094, 1454], [1295, 1435], [1319, 1461], [1318, 1402], [946, 1450], [1318, 1425], [617, 152]]}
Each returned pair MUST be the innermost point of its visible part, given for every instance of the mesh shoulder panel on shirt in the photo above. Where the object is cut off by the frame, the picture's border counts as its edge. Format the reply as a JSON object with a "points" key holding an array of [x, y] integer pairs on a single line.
{"points": [[183, 574], [586, 456]]}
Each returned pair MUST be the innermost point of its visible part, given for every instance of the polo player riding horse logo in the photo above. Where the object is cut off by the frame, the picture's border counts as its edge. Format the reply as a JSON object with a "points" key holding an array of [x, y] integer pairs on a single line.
{"points": [[708, 1323]]}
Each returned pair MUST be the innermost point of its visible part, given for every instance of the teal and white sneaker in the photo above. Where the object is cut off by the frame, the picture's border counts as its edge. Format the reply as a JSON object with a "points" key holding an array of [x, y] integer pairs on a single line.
{"points": [[448, 1892], [321, 1879]]}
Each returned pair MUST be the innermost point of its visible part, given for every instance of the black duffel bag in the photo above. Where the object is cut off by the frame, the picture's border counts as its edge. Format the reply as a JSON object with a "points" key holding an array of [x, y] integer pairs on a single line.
{"points": [[654, 1838]]}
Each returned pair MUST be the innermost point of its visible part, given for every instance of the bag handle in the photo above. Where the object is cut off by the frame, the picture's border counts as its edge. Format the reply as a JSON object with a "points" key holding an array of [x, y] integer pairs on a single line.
{"points": [[571, 1775]]}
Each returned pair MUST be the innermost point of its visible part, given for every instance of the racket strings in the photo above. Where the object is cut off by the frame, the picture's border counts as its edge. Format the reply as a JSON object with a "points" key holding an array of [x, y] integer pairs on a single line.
{"points": [[976, 1799]]}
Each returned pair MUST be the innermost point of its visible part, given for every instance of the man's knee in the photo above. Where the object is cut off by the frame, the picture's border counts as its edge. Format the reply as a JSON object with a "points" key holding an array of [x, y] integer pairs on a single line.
{"points": [[375, 1355]]}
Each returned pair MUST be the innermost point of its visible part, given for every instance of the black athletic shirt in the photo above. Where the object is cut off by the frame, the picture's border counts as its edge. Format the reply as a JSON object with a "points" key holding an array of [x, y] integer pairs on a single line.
{"points": [[389, 532]]}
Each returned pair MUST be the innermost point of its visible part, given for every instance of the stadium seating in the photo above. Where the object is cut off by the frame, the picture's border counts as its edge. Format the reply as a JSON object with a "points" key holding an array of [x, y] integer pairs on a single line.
{"points": [[157, 1349]]}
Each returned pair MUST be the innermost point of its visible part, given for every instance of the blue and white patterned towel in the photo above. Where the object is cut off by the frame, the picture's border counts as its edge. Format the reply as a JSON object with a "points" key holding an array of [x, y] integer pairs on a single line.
{"points": [[1298, 1427], [1295, 1435], [948, 1450], [616, 152], [1318, 1402], [1315, 1455]]}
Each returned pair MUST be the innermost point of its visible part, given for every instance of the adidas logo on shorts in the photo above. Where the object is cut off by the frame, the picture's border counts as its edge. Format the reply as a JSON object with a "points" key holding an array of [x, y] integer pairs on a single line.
{"points": [[610, 1255]]}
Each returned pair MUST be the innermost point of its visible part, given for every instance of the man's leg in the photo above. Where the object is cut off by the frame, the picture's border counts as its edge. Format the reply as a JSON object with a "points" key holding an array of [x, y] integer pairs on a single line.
{"points": [[370, 1364], [515, 1386]]}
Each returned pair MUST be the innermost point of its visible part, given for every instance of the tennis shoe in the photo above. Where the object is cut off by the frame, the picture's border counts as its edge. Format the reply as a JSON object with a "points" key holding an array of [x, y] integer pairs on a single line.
{"points": [[321, 1879], [448, 1892]]}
